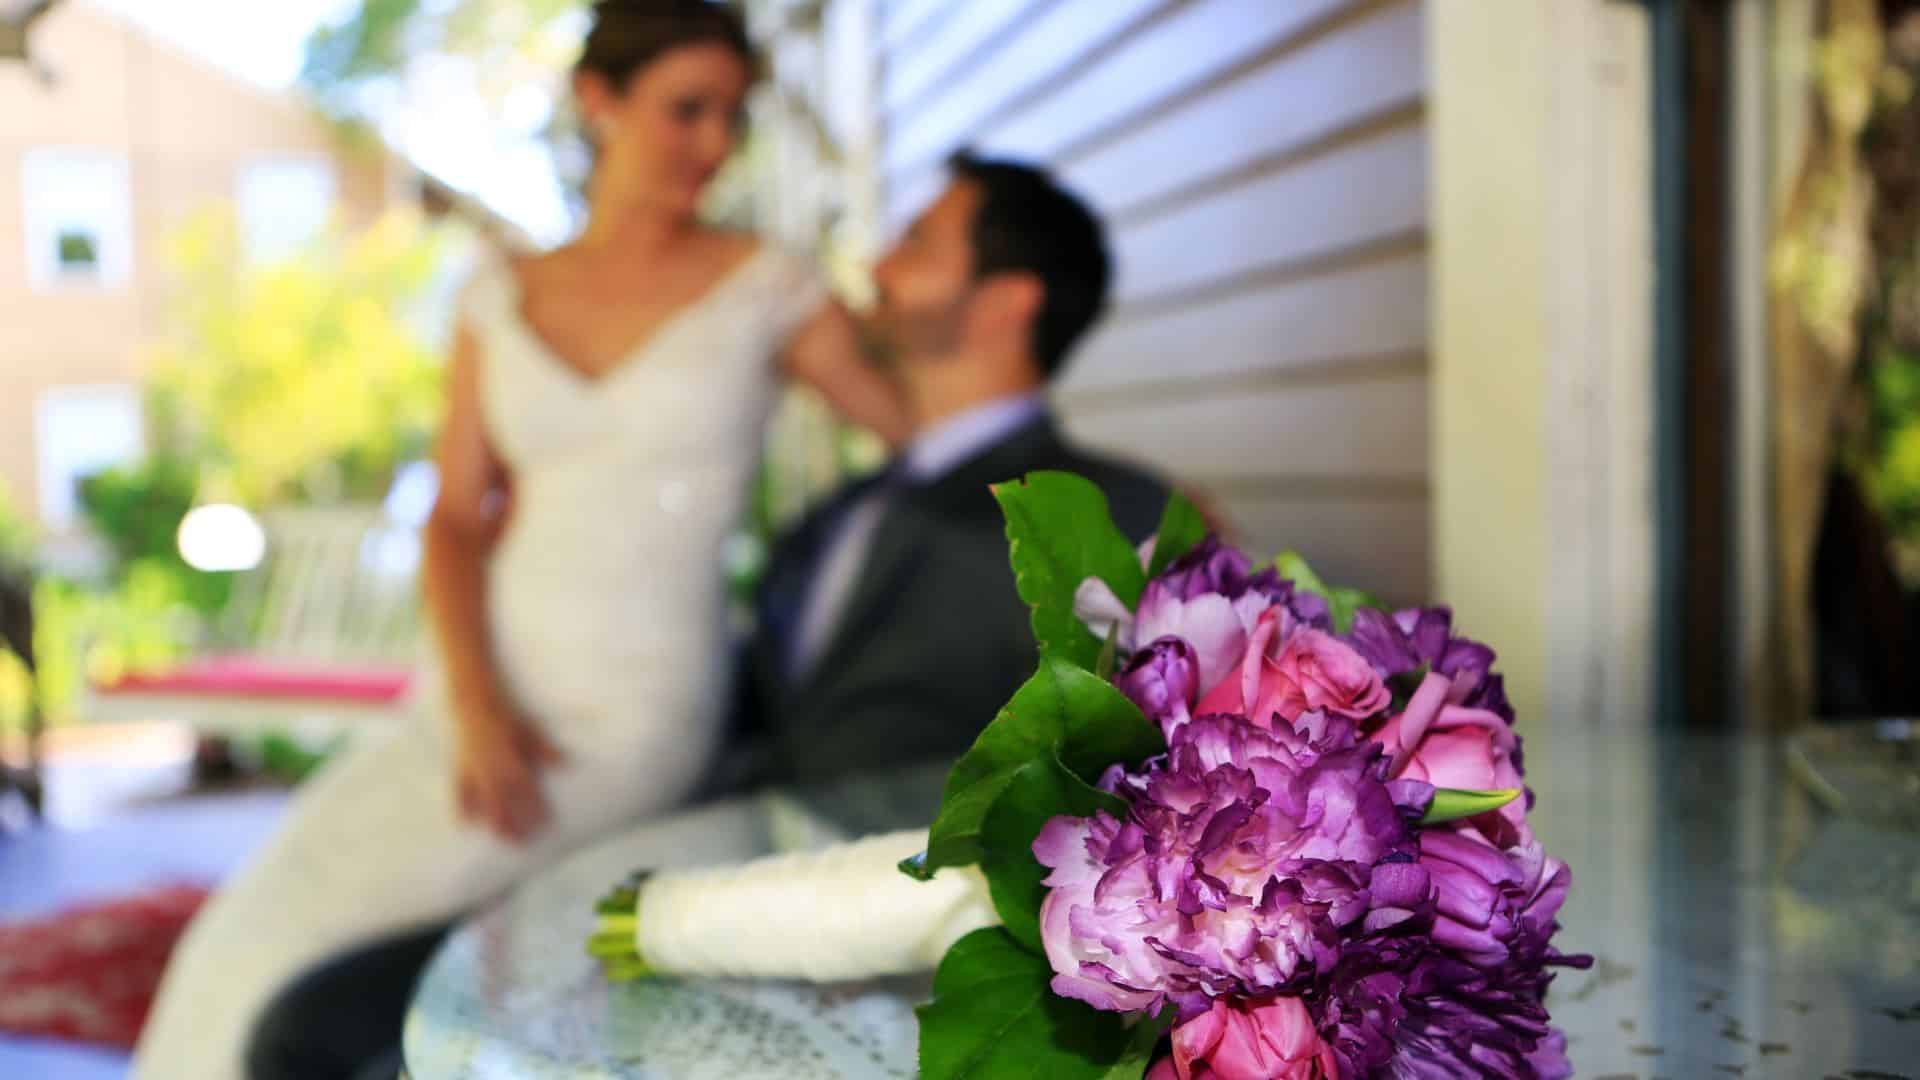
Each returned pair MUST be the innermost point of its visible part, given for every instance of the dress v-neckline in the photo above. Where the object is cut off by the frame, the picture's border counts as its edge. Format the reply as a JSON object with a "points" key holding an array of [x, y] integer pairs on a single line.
{"points": [[630, 356]]}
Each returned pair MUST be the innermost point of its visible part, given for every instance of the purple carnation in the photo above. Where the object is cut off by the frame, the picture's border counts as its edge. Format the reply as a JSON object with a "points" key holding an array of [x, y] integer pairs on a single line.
{"points": [[1214, 567], [1209, 567], [1461, 995], [1407, 640], [1210, 598], [1246, 857]]}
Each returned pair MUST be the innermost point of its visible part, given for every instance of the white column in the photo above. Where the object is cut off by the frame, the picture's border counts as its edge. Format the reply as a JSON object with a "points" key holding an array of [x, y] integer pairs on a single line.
{"points": [[1542, 370]]}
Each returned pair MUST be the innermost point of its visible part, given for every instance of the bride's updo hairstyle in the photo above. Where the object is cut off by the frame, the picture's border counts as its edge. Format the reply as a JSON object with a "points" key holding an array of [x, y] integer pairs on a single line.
{"points": [[627, 35]]}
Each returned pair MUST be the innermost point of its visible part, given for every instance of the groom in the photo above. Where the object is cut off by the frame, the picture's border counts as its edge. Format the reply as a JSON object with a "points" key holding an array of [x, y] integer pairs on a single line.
{"points": [[890, 629]]}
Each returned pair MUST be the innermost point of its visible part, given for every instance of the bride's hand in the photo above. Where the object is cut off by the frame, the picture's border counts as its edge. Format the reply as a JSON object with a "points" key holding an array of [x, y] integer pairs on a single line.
{"points": [[498, 767]]}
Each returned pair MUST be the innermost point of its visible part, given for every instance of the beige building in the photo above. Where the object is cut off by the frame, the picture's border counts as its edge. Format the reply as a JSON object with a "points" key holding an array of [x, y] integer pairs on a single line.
{"points": [[97, 165]]}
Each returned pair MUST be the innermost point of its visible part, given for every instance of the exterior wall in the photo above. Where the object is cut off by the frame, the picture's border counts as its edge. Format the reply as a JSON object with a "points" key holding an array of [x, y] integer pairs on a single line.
{"points": [[185, 132], [1263, 168]]}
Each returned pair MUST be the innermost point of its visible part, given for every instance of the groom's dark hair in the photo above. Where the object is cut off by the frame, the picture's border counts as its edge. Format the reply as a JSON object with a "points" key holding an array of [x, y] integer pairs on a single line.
{"points": [[1027, 222]]}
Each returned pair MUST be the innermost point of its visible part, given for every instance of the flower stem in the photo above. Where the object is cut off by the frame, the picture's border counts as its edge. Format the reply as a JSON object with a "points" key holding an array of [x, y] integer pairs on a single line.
{"points": [[615, 941]]}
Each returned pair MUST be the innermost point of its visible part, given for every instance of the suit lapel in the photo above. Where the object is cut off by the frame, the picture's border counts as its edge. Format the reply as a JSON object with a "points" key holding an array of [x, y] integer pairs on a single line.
{"points": [[899, 541], [790, 578], [906, 531]]}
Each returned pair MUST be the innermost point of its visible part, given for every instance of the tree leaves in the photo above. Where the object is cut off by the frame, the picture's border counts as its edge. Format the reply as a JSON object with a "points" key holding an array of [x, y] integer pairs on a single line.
{"points": [[1063, 714], [1060, 533], [994, 1014]]}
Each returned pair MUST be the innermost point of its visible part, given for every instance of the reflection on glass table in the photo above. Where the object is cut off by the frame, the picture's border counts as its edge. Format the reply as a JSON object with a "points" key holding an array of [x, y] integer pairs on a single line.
{"points": [[1741, 928]]}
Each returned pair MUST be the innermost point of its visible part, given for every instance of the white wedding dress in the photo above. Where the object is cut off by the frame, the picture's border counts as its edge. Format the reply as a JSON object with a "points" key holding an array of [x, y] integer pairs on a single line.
{"points": [[607, 605]]}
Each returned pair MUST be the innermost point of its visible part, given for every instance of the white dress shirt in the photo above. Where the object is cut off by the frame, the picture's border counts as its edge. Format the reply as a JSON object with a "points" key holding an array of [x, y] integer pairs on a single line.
{"points": [[932, 454]]}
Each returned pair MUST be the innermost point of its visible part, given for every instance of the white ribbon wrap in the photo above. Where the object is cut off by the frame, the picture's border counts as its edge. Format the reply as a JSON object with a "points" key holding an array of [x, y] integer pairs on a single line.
{"points": [[845, 912]]}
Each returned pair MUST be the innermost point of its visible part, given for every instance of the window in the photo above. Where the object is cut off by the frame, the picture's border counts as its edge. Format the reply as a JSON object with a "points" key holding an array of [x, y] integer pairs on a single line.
{"points": [[78, 252], [80, 430], [284, 205], [79, 218]]}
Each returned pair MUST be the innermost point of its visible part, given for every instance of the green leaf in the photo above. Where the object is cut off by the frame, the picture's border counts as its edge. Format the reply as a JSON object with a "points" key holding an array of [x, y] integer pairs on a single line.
{"points": [[1404, 685], [1059, 534], [1064, 713], [1109, 655], [1343, 602], [1181, 530], [1037, 792], [1452, 804], [1142, 1043], [994, 1014]]}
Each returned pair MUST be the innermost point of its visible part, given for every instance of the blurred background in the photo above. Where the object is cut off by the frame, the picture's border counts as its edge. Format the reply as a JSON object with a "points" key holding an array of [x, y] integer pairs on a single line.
{"points": [[1597, 319]]}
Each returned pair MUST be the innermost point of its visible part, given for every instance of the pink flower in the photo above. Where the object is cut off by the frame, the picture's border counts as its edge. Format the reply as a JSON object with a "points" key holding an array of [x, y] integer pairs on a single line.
{"points": [[1452, 746], [1291, 670], [1274, 1041]]}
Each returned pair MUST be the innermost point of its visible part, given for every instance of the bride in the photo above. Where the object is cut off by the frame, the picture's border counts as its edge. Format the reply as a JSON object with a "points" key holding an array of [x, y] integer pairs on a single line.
{"points": [[606, 406]]}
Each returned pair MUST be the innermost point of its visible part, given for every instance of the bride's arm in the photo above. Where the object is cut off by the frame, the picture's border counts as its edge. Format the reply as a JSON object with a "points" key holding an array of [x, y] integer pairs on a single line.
{"points": [[825, 354], [499, 751]]}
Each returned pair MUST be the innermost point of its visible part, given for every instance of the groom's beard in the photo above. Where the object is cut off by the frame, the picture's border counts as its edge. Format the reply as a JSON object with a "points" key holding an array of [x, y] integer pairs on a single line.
{"points": [[895, 337], [876, 345]]}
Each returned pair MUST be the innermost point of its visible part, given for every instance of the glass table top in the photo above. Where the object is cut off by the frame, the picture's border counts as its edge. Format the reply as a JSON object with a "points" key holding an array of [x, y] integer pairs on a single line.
{"points": [[1744, 924]]}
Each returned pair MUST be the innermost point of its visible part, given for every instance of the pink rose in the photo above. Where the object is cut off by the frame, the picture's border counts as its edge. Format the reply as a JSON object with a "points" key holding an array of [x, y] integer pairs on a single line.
{"points": [[1274, 1041], [1294, 670], [1452, 746]]}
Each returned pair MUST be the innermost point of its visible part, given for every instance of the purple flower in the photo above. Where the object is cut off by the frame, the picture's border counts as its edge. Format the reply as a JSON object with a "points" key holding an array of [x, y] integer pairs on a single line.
{"points": [[1246, 856], [1215, 627], [1210, 598], [1474, 999], [1359, 1011], [1209, 567], [1406, 640], [1164, 680], [1278, 860]]}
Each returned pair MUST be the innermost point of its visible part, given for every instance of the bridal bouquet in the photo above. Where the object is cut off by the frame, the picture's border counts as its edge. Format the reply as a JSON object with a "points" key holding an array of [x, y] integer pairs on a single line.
{"points": [[1239, 824]]}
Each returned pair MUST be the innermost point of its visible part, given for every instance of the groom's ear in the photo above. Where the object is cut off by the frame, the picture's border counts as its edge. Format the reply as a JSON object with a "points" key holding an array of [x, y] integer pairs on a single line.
{"points": [[1009, 301]]}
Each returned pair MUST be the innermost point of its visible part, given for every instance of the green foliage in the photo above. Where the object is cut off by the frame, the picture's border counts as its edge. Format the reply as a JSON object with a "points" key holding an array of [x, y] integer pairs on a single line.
{"points": [[1888, 459], [1036, 793], [368, 44], [993, 1014], [1059, 534], [511, 43], [137, 509], [17, 537], [1181, 530], [1452, 804], [301, 381], [83, 632], [1343, 602], [1064, 715]]}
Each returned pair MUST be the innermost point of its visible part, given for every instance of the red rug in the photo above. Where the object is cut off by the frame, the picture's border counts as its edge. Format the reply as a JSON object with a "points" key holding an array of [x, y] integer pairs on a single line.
{"points": [[90, 973]]}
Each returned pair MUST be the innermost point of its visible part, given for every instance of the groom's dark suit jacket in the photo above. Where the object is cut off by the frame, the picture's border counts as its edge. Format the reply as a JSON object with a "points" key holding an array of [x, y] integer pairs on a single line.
{"points": [[933, 638]]}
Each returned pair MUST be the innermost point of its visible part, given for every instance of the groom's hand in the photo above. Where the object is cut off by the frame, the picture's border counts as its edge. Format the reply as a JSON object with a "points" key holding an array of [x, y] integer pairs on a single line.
{"points": [[498, 775]]}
